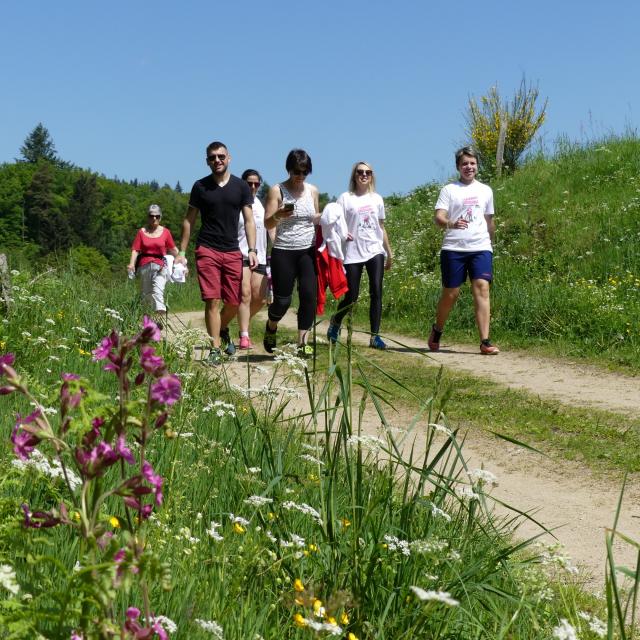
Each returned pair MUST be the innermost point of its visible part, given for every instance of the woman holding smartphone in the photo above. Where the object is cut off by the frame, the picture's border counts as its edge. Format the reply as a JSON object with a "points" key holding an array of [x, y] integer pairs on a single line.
{"points": [[369, 249], [293, 211]]}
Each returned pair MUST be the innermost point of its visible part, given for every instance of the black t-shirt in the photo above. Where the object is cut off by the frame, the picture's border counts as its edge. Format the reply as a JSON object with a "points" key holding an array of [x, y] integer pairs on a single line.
{"points": [[220, 209]]}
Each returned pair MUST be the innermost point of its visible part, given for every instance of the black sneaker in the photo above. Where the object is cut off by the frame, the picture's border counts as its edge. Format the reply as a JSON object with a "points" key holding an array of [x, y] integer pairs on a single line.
{"points": [[434, 339], [226, 342], [270, 340]]}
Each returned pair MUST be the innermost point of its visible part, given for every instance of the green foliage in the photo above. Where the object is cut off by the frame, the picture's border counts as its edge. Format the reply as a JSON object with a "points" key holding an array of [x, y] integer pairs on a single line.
{"points": [[521, 115], [87, 260]]}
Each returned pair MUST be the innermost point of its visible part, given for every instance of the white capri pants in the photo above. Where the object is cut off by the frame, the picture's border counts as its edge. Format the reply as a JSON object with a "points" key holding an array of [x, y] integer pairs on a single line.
{"points": [[153, 279]]}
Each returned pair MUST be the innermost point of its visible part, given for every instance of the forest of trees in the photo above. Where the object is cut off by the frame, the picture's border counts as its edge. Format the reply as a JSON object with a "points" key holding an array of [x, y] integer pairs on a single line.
{"points": [[49, 206]]}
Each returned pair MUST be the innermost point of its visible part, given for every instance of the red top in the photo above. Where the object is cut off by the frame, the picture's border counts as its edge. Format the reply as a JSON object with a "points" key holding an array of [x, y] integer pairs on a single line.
{"points": [[152, 249]]}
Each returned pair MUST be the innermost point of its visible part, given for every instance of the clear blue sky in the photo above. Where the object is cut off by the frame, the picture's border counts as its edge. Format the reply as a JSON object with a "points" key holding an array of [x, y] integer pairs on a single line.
{"points": [[137, 89]]}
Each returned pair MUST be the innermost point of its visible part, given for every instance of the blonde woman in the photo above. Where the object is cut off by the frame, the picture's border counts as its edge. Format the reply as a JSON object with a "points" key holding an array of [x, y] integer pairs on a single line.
{"points": [[369, 249]]}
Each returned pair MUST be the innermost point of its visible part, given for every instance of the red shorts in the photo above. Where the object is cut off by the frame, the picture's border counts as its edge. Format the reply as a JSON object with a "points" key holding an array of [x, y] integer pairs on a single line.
{"points": [[219, 274]]}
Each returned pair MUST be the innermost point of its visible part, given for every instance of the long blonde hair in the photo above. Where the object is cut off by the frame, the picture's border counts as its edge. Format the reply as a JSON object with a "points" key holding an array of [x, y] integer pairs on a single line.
{"points": [[352, 179]]}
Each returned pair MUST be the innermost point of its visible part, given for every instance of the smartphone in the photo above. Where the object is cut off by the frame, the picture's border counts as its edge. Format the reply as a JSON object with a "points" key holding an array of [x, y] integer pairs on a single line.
{"points": [[288, 206]]}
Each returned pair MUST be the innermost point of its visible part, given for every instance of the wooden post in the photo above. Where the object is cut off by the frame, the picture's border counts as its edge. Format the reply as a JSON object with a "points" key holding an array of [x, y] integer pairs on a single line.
{"points": [[5, 281], [500, 150]]}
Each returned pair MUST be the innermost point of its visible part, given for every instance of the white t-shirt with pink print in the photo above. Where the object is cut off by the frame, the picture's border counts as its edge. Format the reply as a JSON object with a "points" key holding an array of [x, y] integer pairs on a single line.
{"points": [[471, 202]]}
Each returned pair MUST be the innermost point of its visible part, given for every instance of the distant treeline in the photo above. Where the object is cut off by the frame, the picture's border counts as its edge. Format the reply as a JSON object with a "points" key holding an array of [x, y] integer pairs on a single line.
{"points": [[48, 207]]}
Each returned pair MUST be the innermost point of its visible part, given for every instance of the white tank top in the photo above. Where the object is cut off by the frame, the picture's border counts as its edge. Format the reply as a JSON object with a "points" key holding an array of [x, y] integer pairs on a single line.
{"points": [[297, 231]]}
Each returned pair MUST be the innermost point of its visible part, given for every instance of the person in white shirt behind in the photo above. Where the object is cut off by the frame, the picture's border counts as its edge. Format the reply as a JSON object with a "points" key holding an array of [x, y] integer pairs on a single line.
{"points": [[368, 249], [254, 282], [465, 211]]}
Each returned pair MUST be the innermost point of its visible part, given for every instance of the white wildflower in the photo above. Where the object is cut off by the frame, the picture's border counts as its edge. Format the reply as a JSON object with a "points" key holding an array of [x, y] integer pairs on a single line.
{"points": [[258, 501], [212, 531], [330, 627], [166, 623], [25, 334], [8, 579], [212, 627], [371, 443], [238, 520], [52, 468], [436, 511], [395, 544], [437, 596], [482, 476], [309, 458], [50, 321], [81, 330], [302, 508], [466, 493], [565, 631], [254, 470]]}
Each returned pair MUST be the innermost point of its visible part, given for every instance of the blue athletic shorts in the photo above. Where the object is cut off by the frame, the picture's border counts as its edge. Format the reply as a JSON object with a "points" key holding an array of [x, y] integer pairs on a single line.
{"points": [[456, 265]]}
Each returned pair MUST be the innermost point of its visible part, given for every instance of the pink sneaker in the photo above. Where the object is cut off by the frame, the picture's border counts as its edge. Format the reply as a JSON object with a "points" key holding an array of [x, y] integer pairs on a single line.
{"points": [[245, 343]]}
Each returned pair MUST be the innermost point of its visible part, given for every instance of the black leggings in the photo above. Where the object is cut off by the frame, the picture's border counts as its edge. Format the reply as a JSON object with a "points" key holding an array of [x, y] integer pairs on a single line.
{"points": [[287, 266], [375, 271]]}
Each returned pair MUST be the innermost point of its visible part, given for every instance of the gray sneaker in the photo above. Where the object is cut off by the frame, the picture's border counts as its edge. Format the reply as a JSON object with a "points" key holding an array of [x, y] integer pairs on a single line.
{"points": [[226, 342]]}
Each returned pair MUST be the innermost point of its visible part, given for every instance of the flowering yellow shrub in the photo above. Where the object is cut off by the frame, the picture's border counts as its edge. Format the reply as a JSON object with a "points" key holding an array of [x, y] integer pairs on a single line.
{"points": [[522, 123]]}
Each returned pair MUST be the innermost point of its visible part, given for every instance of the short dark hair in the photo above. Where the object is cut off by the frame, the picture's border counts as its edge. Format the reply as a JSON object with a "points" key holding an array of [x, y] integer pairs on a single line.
{"points": [[217, 145], [251, 172], [298, 159], [466, 151]]}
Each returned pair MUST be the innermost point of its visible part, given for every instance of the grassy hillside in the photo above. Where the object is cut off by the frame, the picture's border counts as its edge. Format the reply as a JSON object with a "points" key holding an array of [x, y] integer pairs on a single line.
{"points": [[567, 262]]}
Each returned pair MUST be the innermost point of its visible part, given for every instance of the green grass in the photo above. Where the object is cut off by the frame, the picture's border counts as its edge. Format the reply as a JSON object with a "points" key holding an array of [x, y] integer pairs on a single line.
{"points": [[214, 457]]}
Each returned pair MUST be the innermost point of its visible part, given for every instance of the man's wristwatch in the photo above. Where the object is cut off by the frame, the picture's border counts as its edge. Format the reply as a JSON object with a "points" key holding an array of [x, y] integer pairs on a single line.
{"points": [[252, 251]]}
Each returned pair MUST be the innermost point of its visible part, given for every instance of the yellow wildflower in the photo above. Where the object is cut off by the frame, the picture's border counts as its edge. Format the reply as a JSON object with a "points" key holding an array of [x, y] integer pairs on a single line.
{"points": [[318, 609], [115, 523], [345, 522], [238, 528], [344, 618], [299, 620], [352, 636], [297, 585]]}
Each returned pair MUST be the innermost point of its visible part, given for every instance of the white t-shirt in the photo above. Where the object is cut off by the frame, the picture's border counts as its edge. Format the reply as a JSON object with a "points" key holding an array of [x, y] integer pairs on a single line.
{"points": [[363, 215], [261, 233], [471, 202]]}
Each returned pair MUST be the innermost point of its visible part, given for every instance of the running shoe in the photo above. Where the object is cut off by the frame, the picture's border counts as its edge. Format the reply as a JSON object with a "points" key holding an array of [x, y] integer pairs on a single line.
{"points": [[305, 351], [226, 342], [245, 343], [269, 341], [488, 349], [214, 359], [434, 339], [376, 342], [333, 332]]}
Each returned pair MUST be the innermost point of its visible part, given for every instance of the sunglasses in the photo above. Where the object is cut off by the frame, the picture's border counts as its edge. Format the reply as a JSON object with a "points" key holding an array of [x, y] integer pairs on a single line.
{"points": [[364, 172], [299, 172], [253, 184], [216, 156], [153, 215]]}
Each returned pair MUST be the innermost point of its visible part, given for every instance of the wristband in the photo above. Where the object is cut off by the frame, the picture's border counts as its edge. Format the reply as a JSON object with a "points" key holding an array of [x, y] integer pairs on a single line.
{"points": [[252, 251], [182, 253]]}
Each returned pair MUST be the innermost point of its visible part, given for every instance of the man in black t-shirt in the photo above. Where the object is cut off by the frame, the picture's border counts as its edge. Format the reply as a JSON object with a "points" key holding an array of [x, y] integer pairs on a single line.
{"points": [[219, 198]]}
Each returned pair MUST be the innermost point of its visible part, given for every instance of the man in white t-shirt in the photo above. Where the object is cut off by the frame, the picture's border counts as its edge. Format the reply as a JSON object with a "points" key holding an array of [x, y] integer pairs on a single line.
{"points": [[465, 210]]}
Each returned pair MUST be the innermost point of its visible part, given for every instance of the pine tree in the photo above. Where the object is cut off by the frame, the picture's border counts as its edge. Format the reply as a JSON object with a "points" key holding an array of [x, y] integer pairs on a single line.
{"points": [[46, 225], [178, 187], [84, 208], [38, 145]]}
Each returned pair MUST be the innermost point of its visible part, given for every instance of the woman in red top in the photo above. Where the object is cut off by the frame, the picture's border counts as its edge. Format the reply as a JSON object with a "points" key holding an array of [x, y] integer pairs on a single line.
{"points": [[151, 244]]}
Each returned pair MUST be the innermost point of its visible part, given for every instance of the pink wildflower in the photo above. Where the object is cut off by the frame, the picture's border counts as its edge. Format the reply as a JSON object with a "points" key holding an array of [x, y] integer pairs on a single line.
{"points": [[166, 390], [150, 362]]}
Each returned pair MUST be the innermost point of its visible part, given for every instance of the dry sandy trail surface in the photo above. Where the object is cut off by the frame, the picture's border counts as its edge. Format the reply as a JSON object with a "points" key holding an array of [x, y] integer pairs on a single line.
{"points": [[566, 497]]}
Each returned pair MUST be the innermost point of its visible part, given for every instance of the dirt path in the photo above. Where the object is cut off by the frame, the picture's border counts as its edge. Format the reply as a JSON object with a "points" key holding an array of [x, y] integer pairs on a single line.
{"points": [[567, 498]]}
